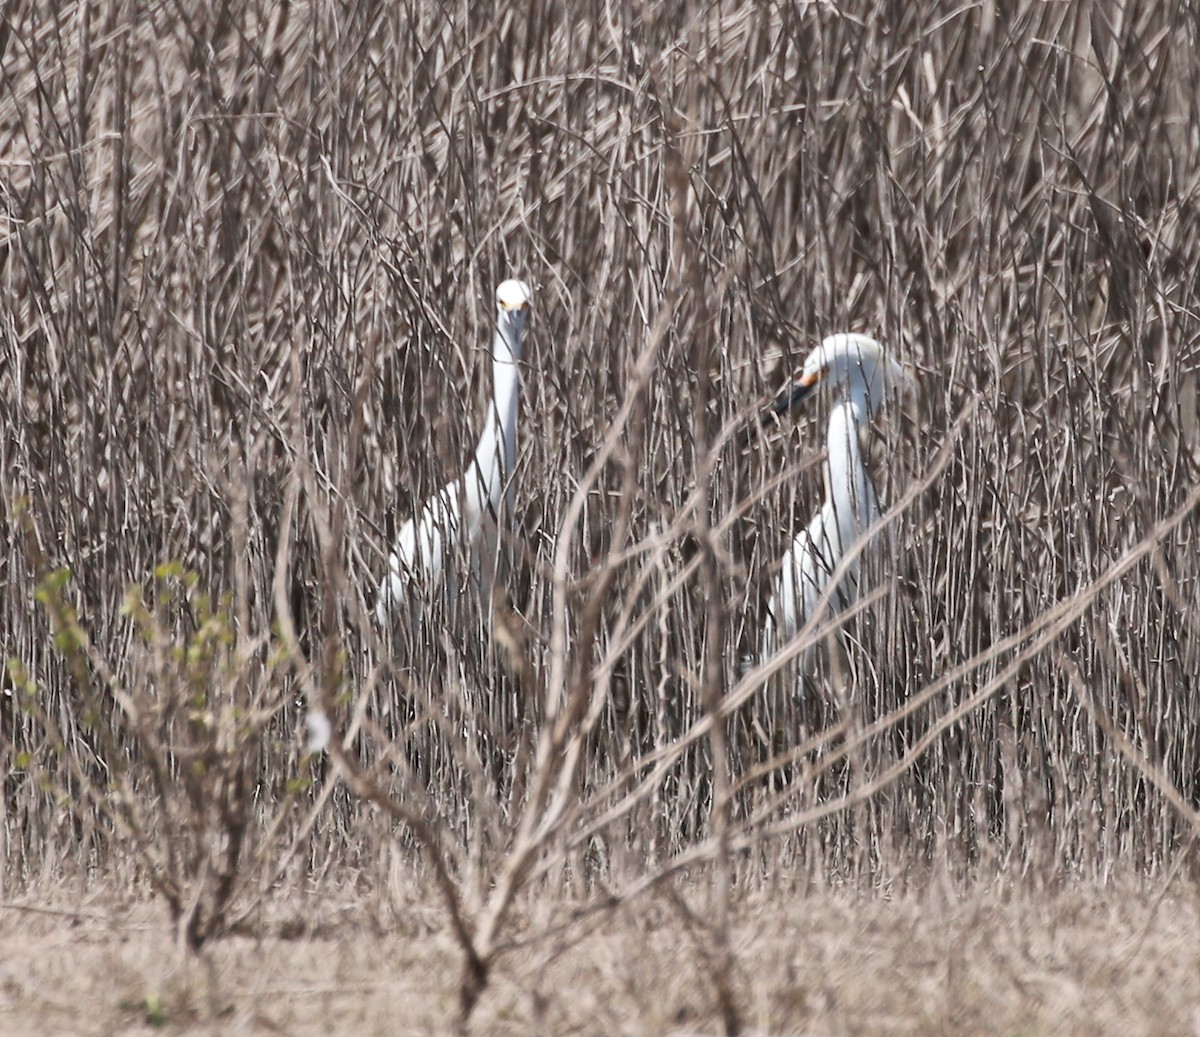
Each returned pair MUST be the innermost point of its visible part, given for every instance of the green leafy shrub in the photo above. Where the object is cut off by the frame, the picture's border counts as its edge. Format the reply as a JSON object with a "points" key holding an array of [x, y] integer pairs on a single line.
{"points": [[175, 733]]}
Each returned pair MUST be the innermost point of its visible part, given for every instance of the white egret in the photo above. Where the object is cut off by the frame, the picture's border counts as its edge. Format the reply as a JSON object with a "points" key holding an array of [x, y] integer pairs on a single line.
{"points": [[860, 374], [421, 563]]}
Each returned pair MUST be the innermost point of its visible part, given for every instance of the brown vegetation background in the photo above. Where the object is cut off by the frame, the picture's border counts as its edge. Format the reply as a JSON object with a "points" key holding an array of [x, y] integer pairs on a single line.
{"points": [[248, 260]]}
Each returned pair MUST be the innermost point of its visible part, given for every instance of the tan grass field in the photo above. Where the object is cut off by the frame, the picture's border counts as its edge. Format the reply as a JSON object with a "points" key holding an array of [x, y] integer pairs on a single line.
{"points": [[999, 961]]}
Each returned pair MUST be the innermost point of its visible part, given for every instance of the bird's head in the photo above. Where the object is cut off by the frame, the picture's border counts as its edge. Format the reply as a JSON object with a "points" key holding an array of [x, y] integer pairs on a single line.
{"points": [[855, 366], [513, 299]]}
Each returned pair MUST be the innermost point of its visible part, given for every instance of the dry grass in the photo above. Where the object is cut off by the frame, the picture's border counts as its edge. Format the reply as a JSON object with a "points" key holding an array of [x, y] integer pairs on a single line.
{"points": [[1067, 962], [248, 258]]}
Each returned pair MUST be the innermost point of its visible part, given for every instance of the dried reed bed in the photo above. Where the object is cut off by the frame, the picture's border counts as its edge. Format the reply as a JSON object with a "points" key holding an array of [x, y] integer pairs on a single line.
{"points": [[248, 261]]}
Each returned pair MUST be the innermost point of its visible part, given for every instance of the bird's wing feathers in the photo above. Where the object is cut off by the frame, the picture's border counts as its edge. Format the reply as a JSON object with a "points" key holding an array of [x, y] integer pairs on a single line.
{"points": [[418, 557]]}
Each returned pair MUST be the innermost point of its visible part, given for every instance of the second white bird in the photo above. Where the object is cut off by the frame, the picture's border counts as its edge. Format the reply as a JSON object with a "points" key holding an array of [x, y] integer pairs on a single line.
{"points": [[860, 374]]}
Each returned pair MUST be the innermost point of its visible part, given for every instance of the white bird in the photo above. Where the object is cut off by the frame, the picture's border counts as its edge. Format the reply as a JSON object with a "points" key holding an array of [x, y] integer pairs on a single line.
{"points": [[860, 374], [421, 564]]}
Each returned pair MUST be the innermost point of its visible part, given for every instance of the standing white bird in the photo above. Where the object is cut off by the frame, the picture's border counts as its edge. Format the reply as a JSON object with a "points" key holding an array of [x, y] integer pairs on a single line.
{"points": [[861, 375], [422, 562]]}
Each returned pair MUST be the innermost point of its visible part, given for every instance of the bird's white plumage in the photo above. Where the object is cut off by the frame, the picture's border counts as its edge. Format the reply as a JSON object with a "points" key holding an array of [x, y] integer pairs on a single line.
{"points": [[422, 562], [513, 295], [861, 377]]}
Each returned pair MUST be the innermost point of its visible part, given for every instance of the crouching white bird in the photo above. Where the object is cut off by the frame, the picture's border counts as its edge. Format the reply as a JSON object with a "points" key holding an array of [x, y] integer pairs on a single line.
{"points": [[861, 377], [422, 562]]}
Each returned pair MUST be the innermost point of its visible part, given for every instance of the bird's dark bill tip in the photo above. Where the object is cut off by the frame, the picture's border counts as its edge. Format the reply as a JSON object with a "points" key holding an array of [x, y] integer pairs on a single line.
{"points": [[792, 398]]}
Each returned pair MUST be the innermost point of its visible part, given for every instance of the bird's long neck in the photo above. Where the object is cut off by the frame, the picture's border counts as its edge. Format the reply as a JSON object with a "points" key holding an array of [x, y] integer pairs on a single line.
{"points": [[489, 478], [847, 485]]}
